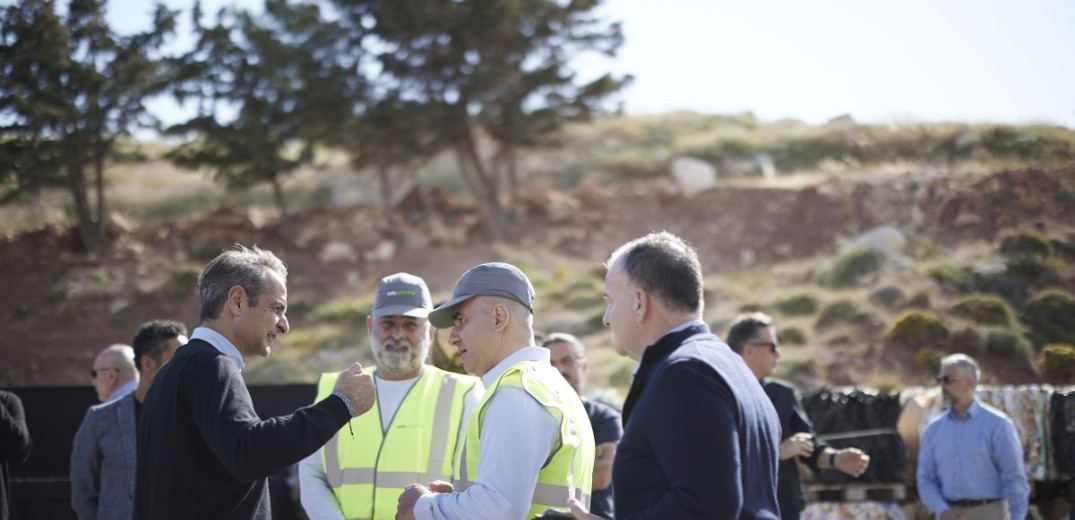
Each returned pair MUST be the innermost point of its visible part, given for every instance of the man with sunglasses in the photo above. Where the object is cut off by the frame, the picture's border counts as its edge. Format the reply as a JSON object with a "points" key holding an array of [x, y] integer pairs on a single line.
{"points": [[753, 337], [970, 461], [104, 452], [113, 373]]}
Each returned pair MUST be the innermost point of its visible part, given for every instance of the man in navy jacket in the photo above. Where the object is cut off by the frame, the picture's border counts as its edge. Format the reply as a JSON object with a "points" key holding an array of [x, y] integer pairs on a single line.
{"points": [[701, 439]]}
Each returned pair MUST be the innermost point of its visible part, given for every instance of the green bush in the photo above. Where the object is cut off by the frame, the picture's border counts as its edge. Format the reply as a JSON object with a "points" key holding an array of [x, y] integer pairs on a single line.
{"points": [[852, 268], [1058, 362], [311, 339], [968, 341], [788, 370], [948, 275], [837, 312], [791, 336], [986, 309], [797, 305], [889, 297], [1007, 345], [1050, 318], [1063, 248], [183, 282], [1025, 245], [919, 300], [345, 311], [917, 330], [929, 359]]}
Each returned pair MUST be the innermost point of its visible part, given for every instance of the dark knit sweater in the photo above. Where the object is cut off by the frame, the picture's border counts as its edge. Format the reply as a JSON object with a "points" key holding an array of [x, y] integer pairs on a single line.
{"points": [[202, 450]]}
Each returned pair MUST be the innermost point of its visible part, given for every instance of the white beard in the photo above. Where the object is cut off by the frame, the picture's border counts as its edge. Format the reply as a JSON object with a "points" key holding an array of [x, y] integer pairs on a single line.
{"points": [[397, 361]]}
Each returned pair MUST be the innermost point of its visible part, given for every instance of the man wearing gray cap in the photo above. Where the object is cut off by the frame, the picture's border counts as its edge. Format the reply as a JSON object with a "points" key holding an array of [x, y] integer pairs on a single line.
{"points": [[413, 429], [530, 446]]}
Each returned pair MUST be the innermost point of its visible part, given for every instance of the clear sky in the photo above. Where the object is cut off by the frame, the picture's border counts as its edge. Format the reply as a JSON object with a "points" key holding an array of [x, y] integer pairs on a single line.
{"points": [[1010, 61]]}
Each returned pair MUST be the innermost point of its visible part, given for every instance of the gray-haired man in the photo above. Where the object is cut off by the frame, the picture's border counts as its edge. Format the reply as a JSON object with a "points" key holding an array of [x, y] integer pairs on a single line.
{"points": [[416, 423], [203, 450]]}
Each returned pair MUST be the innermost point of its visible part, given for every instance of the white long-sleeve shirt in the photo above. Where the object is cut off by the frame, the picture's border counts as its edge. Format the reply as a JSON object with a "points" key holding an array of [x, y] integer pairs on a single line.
{"points": [[517, 438], [315, 493]]}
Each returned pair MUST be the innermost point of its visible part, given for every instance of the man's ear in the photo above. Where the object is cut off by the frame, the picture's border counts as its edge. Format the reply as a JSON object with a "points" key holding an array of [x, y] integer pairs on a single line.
{"points": [[501, 316], [237, 298], [642, 302]]}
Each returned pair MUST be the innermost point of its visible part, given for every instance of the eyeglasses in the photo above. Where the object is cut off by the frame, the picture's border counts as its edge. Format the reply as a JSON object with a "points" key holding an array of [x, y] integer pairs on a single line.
{"points": [[772, 346], [944, 380], [95, 371]]}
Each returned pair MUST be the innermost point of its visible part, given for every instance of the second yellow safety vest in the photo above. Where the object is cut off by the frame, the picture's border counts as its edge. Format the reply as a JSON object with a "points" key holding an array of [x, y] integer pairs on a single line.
{"points": [[368, 471]]}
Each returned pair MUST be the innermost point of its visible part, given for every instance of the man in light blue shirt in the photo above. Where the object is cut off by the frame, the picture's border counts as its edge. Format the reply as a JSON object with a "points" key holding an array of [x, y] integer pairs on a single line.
{"points": [[970, 464]]}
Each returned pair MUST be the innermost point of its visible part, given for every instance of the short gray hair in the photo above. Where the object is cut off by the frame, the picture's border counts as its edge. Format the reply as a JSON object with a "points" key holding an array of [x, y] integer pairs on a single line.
{"points": [[965, 363], [665, 266], [573, 343], [242, 266]]}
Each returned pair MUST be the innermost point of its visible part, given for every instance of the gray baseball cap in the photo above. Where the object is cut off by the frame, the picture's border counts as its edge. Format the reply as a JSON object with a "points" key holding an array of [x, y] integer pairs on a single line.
{"points": [[402, 294], [492, 279]]}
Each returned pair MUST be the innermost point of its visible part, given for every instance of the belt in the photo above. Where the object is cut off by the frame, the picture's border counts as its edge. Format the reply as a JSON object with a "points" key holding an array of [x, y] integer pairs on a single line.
{"points": [[974, 502]]}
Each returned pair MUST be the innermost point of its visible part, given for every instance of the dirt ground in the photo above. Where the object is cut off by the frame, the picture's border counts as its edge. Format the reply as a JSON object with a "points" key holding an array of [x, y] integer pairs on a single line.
{"points": [[61, 306]]}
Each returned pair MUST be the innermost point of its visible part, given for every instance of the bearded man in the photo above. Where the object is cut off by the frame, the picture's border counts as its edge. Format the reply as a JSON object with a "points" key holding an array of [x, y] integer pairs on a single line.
{"points": [[415, 425]]}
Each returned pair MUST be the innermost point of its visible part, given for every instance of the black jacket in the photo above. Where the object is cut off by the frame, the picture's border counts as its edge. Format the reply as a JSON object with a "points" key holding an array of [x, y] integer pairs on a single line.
{"points": [[793, 419], [202, 450], [700, 440], [15, 444]]}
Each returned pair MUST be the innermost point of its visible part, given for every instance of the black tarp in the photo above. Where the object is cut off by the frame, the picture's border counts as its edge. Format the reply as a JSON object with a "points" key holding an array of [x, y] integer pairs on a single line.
{"points": [[41, 487], [868, 422]]}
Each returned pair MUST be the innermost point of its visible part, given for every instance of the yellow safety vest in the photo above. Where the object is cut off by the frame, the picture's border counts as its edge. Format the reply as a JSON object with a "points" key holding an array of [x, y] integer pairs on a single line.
{"points": [[569, 470], [369, 470]]}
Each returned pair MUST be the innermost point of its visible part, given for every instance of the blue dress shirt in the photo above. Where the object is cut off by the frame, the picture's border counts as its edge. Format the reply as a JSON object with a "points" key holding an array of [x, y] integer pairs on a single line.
{"points": [[976, 457]]}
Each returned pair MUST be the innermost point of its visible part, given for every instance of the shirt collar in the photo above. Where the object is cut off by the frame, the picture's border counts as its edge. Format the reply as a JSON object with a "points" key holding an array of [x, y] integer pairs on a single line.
{"points": [[122, 391], [219, 342], [531, 353], [971, 412]]}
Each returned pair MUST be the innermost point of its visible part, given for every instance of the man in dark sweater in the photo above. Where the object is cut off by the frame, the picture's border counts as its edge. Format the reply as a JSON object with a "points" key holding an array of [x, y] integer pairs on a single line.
{"points": [[202, 450], [753, 337], [568, 355], [700, 436]]}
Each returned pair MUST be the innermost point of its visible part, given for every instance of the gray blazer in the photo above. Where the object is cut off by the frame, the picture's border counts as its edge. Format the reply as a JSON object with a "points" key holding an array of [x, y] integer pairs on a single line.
{"points": [[103, 462]]}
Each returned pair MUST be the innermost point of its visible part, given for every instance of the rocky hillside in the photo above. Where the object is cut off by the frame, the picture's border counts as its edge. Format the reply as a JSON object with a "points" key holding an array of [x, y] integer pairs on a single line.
{"points": [[835, 246]]}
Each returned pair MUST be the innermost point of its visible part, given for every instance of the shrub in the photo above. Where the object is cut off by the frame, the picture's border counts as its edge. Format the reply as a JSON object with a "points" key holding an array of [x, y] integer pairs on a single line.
{"points": [[1050, 318], [345, 311], [1058, 361], [183, 282], [809, 367], [889, 297], [968, 341], [986, 309], [791, 336], [929, 359], [919, 300], [918, 329], [1063, 248], [839, 311], [797, 305], [850, 269], [312, 339], [1025, 245], [1006, 344], [948, 275]]}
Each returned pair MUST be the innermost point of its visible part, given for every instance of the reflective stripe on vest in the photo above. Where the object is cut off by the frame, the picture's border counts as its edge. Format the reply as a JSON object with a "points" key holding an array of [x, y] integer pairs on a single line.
{"points": [[441, 419]]}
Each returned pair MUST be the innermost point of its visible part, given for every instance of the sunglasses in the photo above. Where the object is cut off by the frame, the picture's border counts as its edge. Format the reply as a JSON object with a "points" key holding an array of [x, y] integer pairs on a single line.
{"points": [[772, 346], [95, 371], [944, 380]]}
